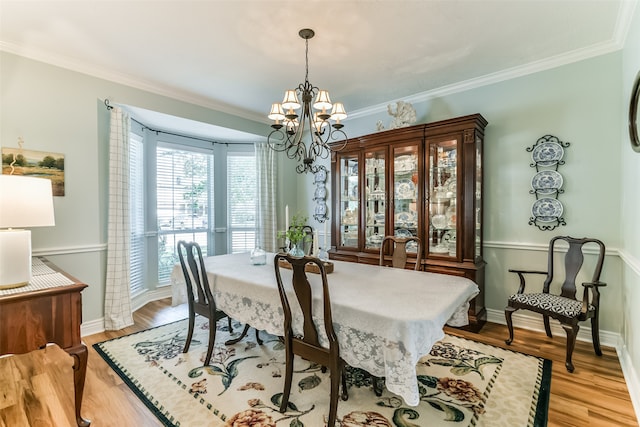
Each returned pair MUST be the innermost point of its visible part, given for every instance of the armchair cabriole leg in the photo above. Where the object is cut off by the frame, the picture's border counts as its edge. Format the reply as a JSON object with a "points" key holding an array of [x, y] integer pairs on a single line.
{"points": [[595, 335], [507, 314], [547, 326], [572, 332]]}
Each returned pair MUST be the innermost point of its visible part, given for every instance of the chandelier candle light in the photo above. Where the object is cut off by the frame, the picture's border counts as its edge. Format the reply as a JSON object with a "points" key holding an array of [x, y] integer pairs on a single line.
{"points": [[289, 128]]}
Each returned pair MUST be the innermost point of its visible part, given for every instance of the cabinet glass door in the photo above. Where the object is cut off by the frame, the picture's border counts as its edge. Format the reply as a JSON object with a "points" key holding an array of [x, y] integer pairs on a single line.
{"points": [[375, 198], [443, 197], [405, 193], [349, 200]]}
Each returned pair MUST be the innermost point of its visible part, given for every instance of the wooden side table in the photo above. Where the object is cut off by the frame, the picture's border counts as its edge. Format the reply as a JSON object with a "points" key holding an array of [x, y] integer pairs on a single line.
{"points": [[48, 310]]}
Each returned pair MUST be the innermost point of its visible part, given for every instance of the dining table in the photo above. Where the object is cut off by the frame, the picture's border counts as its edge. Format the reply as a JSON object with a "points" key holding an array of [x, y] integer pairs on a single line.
{"points": [[385, 318]]}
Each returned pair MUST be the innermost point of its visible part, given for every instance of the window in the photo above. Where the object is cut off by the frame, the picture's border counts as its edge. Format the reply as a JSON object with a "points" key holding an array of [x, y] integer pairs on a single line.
{"points": [[241, 201], [184, 183], [187, 189]]}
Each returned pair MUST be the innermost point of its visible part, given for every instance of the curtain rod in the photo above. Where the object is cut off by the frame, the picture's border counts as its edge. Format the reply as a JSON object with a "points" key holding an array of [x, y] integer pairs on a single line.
{"points": [[110, 107]]}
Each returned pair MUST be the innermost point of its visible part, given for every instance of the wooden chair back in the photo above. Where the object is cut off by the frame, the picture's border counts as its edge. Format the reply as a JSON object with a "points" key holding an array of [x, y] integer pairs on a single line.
{"points": [[573, 261], [199, 297], [398, 250], [307, 344]]}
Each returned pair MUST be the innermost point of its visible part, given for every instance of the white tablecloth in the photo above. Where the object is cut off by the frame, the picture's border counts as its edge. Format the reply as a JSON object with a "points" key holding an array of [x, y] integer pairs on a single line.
{"points": [[385, 318]]}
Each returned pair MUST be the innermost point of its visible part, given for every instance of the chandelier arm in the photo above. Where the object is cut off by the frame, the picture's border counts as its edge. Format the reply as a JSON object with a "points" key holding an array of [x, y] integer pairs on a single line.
{"points": [[335, 135], [277, 141]]}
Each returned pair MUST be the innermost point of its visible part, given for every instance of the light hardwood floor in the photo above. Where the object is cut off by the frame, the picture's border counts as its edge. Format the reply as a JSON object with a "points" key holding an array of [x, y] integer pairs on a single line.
{"points": [[36, 389]]}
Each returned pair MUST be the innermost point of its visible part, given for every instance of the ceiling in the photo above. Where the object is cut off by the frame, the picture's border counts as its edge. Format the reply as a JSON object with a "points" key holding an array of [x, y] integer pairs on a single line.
{"points": [[239, 56]]}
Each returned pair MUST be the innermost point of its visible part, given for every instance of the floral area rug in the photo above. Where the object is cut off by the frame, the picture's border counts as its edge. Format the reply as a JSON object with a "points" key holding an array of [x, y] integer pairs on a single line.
{"points": [[462, 383]]}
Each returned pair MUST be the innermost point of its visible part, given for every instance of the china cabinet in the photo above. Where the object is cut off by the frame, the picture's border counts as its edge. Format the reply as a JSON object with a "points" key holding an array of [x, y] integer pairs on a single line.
{"points": [[423, 180]]}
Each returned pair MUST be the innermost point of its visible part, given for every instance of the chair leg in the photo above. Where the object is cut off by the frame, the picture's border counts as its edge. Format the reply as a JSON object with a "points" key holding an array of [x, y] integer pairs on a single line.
{"points": [[212, 340], [187, 343], [242, 335], [343, 374], [507, 314], [287, 377], [230, 327], [547, 326], [336, 375], [595, 335], [258, 339], [572, 332], [378, 384]]}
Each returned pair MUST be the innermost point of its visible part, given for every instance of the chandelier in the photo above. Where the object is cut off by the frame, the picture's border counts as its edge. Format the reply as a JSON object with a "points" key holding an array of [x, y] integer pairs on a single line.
{"points": [[316, 124]]}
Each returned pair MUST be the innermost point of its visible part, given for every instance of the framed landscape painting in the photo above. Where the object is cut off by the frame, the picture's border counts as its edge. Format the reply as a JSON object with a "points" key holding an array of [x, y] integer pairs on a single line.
{"points": [[16, 161]]}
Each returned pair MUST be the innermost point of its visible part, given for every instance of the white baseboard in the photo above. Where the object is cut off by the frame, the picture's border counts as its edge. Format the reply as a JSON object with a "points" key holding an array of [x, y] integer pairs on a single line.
{"points": [[610, 339], [630, 377], [97, 326], [92, 327]]}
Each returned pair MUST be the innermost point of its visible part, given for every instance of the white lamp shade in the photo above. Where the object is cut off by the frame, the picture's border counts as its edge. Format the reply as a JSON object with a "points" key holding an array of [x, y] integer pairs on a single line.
{"points": [[25, 202], [323, 102], [290, 101], [338, 113], [276, 112]]}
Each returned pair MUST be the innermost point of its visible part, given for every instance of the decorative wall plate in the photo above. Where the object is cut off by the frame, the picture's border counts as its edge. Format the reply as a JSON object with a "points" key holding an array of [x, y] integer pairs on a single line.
{"points": [[547, 154], [321, 209], [321, 175], [546, 182], [320, 193], [547, 209]]}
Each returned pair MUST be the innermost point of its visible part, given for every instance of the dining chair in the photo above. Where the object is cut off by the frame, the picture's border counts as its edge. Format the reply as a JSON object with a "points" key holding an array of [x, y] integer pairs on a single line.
{"points": [[195, 276], [201, 302], [564, 307], [399, 254], [305, 343]]}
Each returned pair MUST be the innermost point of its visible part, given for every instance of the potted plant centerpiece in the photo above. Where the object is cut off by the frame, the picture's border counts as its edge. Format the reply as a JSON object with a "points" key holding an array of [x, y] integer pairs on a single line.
{"points": [[296, 235]]}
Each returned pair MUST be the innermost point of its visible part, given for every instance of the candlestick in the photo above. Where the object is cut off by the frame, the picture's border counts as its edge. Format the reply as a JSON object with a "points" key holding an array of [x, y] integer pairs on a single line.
{"points": [[286, 218]]}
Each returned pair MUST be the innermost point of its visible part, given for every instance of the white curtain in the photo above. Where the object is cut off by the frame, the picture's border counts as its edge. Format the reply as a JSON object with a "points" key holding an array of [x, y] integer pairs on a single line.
{"points": [[117, 301], [266, 206]]}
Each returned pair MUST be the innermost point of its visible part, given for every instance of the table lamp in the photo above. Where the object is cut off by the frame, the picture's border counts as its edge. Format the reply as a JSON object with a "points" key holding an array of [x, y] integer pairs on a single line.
{"points": [[24, 202]]}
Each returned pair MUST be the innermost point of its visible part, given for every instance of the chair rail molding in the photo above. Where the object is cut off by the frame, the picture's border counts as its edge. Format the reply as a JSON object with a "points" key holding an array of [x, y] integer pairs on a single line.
{"points": [[544, 247], [67, 250]]}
